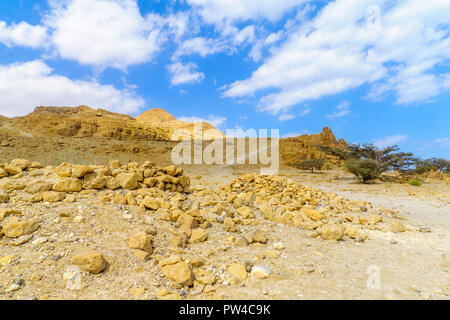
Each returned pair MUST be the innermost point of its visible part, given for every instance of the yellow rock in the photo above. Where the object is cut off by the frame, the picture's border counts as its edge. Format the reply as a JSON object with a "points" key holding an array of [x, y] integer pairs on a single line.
{"points": [[20, 163], [245, 212], [313, 214], [80, 171], [6, 212], [90, 261], [332, 231], [53, 196], [112, 183], [187, 221], [180, 273], [259, 236], [374, 219], [172, 296], [169, 261], [397, 227], [64, 170], [17, 229], [128, 181], [5, 261], [352, 232], [141, 255], [68, 185], [94, 181], [119, 199], [237, 270], [150, 203], [141, 241], [37, 187], [137, 292], [178, 241], [12, 171], [198, 235], [163, 292]]}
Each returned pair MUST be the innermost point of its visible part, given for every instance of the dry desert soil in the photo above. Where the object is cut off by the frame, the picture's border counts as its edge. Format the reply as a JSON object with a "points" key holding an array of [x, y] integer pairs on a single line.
{"points": [[231, 234]]}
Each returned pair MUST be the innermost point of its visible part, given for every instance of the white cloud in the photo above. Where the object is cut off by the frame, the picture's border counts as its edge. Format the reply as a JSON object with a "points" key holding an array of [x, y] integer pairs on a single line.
{"points": [[342, 110], [26, 85], [184, 73], [390, 140], [305, 112], [347, 45], [229, 39], [216, 121], [218, 11], [201, 46], [286, 116], [257, 50], [22, 34], [104, 33], [443, 142]]}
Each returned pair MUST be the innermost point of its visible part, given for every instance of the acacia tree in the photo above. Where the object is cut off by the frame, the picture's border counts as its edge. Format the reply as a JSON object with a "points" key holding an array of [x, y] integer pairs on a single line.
{"points": [[310, 164], [368, 162]]}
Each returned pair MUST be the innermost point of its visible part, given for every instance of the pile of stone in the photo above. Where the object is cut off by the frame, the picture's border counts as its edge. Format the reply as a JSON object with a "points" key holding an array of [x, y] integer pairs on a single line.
{"points": [[285, 201], [30, 181]]}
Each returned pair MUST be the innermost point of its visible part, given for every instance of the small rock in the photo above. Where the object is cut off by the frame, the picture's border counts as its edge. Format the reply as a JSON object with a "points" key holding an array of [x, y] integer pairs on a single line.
{"points": [[180, 273], [237, 270], [260, 272], [198, 235], [90, 261], [259, 236]]}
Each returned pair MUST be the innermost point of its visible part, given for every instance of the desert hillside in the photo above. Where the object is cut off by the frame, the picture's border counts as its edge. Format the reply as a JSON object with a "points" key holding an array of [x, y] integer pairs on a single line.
{"points": [[163, 119]]}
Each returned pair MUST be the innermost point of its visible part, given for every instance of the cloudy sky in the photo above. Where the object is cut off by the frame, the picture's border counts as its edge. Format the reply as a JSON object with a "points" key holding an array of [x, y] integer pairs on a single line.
{"points": [[372, 70]]}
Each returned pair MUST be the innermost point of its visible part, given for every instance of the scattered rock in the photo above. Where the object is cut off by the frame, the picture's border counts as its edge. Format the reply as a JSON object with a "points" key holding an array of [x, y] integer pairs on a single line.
{"points": [[260, 272], [397, 227], [17, 229], [180, 273], [198, 235], [237, 270], [332, 232], [259, 236], [90, 261], [141, 241]]}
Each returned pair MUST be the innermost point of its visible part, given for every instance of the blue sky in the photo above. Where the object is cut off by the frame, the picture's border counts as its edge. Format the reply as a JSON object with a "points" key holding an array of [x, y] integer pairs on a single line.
{"points": [[373, 71]]}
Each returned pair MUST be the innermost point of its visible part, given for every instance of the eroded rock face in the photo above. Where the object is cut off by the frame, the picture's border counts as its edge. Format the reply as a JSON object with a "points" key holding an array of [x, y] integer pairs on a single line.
{"points": [[302, 147], [83, 121]]}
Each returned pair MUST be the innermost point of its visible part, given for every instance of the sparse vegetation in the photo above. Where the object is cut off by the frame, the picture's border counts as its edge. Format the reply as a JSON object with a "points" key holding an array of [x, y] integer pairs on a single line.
{"points": [[310, 164], [427, 165], [367, 162], [415, 182], [365, 169]]}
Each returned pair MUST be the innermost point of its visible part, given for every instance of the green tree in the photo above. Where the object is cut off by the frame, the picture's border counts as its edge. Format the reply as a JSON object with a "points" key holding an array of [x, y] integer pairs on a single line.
{"points": [[310, 164], [365, 169]]}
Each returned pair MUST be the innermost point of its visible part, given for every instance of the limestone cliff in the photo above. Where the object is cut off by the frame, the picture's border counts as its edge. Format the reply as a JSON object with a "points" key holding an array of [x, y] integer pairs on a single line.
{"points": [[303, 147], [83, 122], [163, 119]]}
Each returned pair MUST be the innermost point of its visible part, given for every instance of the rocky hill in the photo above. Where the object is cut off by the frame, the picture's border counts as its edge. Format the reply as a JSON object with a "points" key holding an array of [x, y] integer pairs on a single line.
{"points": [[303, 147], [86, 122], [65, 123], [163, 119], [81, 122]]}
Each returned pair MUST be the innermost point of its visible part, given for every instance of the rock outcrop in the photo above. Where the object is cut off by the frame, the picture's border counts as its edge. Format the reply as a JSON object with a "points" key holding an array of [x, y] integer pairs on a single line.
{"points": [[163, 119], [81, 122], [304, 147]]}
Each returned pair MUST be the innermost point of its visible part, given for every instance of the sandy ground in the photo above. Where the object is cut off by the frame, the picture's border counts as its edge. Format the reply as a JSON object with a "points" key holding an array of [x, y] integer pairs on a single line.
{"points": [[409, 265]]}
